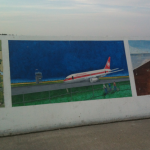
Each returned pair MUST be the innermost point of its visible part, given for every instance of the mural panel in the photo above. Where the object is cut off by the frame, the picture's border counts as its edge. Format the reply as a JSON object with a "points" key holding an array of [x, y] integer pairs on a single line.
{"points": [[1, 78], [140, 56], [46, 72]]}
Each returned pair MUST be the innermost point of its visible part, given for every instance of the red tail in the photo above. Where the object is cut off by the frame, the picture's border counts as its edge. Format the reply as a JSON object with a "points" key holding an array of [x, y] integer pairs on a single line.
{"points": [[107, 66]]}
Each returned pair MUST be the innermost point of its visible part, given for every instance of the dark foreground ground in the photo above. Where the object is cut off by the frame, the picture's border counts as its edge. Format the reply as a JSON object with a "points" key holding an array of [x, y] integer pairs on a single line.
{"points": [[130, 135]]}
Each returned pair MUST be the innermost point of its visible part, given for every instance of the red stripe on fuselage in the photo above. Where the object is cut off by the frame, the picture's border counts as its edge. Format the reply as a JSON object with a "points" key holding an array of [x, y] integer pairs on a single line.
{"points": [[74, 77]]}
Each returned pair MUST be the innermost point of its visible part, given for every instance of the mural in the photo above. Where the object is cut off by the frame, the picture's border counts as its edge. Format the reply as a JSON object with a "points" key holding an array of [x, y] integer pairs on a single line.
{"points": [[1, 78], [45, 72], [140, 56]]}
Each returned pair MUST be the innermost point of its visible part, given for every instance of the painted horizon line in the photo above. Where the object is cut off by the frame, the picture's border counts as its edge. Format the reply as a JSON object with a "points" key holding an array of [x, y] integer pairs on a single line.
{"points": [[63, 80]]}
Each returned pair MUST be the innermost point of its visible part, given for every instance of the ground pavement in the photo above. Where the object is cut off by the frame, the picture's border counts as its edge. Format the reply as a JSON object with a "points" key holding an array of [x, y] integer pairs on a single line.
{"points": [[129, 135]]}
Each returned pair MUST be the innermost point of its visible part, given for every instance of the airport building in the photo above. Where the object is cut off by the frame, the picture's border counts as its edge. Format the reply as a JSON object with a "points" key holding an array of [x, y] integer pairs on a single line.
{"points": [[142, 79]]}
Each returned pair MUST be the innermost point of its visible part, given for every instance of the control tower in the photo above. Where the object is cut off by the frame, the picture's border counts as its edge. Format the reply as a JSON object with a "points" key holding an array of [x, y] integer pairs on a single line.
{"points": [[38, 77]]}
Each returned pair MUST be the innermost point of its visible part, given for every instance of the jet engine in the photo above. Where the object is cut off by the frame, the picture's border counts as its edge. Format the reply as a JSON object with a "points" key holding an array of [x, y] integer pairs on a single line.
{"points": [[93, 80]]}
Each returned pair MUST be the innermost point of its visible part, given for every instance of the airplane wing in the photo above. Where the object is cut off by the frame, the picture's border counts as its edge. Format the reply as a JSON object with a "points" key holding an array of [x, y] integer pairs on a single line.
{"points": [[112, 71]]}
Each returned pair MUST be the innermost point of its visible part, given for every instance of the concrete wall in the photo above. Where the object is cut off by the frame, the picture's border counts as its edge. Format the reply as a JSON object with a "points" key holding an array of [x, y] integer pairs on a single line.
{"points": [[17, 120]]}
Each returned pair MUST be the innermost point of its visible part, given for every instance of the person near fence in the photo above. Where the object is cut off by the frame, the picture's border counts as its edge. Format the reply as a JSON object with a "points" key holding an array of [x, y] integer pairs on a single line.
{"points": [[105, 89], [115, 88], [109, 86]]}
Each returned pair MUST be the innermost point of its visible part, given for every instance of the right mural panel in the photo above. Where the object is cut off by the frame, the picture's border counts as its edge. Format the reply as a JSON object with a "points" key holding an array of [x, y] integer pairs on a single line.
{"points": [[140, 56]]}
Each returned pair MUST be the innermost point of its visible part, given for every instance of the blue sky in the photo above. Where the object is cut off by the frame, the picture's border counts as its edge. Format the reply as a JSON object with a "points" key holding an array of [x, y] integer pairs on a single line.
{"points": [[58, 59], [75, 17], [140, 52], [139, 46]]}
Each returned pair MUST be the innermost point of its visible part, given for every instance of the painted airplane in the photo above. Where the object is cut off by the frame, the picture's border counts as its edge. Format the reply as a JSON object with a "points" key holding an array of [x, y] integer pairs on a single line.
{"points": [[93, 76]]}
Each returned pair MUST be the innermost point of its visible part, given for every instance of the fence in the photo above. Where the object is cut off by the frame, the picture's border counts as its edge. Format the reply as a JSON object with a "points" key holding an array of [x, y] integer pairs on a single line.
{"points": [[69, 92]]}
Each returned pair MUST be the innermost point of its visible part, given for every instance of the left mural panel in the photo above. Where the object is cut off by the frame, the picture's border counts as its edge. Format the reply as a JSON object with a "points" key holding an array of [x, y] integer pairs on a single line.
{"points": [[1, 78], [46, 72]]}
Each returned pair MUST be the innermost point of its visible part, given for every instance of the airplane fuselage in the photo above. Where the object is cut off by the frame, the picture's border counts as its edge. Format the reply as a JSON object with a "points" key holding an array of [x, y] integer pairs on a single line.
{"points": [[86, 75]]}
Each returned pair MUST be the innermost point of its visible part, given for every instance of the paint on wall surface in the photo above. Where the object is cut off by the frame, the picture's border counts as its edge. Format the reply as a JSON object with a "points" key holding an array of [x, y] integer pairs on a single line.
{"points": [[1, 78], [45, 72], [140, 56]]}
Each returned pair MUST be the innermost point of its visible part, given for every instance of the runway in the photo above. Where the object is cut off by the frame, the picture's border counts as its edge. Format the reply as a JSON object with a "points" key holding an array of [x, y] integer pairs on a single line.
{"points": [[57, 86]]}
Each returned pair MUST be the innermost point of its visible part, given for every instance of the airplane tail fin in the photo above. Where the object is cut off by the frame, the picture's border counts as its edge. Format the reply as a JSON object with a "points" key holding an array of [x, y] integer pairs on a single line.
{"points": [[107, 66]]}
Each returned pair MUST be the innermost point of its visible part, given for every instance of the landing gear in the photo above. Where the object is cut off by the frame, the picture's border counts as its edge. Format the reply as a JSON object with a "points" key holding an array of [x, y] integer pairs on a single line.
{"points": [[92, 80]]}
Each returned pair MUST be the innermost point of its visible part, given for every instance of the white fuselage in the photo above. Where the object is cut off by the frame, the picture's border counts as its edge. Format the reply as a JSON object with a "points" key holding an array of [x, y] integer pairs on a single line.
{"points": [[86, 75]]}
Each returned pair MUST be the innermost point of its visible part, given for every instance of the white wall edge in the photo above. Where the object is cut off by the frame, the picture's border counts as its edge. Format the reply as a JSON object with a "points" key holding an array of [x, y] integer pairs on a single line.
{"points": [[18, 120]]}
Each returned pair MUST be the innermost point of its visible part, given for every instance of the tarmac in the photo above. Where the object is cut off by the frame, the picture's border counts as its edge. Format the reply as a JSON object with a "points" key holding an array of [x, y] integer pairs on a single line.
{"points": [[129, 135], [48, 87]]}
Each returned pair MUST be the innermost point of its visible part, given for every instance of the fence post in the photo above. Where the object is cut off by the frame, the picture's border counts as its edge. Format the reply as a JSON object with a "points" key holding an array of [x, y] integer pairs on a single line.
{"points": [[93, 90], [119, 86], [71, 93], [49, 97], [23, 100]]}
